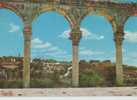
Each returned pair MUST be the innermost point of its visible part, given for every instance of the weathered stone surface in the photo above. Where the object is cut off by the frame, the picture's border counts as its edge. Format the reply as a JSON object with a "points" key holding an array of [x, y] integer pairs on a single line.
{"points": [[112, 91], [74, 11]]}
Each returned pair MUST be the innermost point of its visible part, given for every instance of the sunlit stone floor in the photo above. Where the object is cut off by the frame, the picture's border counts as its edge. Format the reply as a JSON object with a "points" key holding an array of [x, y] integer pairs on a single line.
{"points": [[113, 91]]}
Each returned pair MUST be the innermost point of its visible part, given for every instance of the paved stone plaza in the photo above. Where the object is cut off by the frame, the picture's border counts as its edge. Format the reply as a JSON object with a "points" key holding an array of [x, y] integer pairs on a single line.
{"points": [[74, 11], [110, 91]]}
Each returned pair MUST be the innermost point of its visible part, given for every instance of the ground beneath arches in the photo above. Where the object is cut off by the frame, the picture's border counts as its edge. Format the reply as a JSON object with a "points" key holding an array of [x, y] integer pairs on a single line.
{"points": [[109, 91]]}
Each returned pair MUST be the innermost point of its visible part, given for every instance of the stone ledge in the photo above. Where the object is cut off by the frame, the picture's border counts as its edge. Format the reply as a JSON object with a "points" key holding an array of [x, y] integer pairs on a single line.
{"points": [[108, 91]]}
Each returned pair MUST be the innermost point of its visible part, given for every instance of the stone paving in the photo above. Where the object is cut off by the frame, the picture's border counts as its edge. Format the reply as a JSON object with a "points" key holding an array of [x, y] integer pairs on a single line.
{"points": [[112, 91]]}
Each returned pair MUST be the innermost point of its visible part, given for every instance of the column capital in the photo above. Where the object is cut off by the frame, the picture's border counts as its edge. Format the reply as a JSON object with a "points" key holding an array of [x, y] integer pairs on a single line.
{"points": [[119, 36], [75, 36], [27, 32], [27, 28]]}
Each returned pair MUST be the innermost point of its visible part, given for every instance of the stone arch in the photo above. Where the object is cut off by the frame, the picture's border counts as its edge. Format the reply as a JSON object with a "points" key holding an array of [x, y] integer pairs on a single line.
{"points": [[127, 18], [12, 8], [133, 14], [129, 44], [100, 12], [14, 11], [47, 8]]}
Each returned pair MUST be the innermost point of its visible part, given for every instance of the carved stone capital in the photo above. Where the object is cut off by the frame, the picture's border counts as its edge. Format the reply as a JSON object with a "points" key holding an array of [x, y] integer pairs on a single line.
{"points": [[119, 36], [27, 32], [75, 36], [2, 4]]}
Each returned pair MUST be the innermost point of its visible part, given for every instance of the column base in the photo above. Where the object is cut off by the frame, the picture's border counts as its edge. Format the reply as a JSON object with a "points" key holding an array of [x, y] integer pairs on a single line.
{"points": [[119, 76], [119, 82], [26, 84], [75, 84]]}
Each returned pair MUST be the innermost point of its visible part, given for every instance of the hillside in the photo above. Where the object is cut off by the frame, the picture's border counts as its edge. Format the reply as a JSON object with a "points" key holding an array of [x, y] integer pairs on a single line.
{"points": [[52, 73]]}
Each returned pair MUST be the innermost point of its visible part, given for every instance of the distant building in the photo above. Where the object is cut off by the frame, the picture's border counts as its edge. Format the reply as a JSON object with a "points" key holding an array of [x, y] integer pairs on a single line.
{"points": [[107, 62], [11, 62], [95, 61]]}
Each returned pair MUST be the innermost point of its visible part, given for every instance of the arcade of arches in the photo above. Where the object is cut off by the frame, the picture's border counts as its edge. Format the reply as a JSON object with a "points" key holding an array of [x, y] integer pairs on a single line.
{"points": [[74, 12]]}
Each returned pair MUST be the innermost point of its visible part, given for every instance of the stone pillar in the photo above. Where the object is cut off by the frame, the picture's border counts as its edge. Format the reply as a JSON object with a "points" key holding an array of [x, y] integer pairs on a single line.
{"points": [[119, 37], [75, 37], [26, 60]]}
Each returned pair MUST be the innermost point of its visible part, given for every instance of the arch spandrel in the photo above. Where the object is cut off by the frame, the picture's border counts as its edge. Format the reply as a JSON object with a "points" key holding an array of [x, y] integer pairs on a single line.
{"points": [[120, 20], [133, 12], [60, 10], [10, 7], [100, 12], [130, 14]]}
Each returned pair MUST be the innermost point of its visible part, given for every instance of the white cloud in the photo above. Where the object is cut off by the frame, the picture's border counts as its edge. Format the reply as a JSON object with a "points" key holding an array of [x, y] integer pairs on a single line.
{"points": [[124, 50], [42, 46], [131, 36], [89, 35], [85, 33], [65, 34], [36, 41], [46, 49], [130, 58], [88, 52], [57, 53], [39, 44], [54, 48], [14, 28]]}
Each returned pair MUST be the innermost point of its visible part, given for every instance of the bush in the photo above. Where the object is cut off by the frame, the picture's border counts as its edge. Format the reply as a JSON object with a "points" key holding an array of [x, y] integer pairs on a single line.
{"points": [[130, 68], [111, 76], [91, 79], [47, 83], [10, 83], [36, 83]]}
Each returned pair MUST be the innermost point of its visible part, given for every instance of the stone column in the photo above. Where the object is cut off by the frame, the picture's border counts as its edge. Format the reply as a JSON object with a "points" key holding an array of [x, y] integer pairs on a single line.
{"points": [[75, 37], [26, 60], [119, 37]]}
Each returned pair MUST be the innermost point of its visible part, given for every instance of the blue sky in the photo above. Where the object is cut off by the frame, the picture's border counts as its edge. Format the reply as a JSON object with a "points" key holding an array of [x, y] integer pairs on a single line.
{"points": [[50, 38], [125, 1]]}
